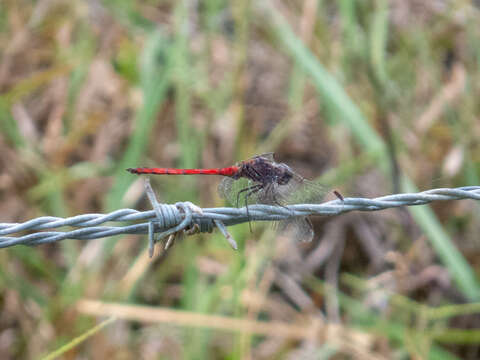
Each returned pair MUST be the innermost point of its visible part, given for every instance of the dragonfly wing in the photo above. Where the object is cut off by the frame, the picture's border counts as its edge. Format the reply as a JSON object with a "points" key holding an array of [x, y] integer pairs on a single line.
{"points": [[268, 156], [225, 188], [299, 228], [272, 194], [239, 192], [300, 190]]}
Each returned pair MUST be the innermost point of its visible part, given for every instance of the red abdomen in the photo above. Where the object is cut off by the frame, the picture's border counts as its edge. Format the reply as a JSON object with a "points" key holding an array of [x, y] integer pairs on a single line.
{"points": [[228, 171]]}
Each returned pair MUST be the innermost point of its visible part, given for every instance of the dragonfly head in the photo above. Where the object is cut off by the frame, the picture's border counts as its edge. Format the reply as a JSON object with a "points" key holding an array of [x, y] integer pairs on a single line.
{"points": [[284, 174]]}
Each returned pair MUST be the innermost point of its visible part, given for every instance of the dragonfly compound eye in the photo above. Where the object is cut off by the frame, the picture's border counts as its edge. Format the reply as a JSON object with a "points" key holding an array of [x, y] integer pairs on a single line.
{"points": [[284, 174]]}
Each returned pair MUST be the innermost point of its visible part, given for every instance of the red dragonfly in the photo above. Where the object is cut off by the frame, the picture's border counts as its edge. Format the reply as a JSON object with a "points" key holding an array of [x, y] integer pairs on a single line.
{"points": [[264, 182]]}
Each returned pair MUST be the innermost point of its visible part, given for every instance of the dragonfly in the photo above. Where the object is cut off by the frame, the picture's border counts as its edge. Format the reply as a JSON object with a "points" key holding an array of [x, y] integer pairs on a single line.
{"points": [[260, 180]]}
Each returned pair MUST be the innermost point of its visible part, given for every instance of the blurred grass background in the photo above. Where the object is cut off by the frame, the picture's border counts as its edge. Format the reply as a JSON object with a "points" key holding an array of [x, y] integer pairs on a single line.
{"points": [[369, 97]]}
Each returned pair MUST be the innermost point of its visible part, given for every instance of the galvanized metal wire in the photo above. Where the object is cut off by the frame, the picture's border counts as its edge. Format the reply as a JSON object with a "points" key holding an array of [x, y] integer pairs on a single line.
{"points": [[167, 220]]}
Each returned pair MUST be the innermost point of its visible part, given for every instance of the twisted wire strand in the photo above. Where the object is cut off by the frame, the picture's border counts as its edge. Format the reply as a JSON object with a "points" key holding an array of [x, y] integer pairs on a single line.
{"points": [[169, 219]]}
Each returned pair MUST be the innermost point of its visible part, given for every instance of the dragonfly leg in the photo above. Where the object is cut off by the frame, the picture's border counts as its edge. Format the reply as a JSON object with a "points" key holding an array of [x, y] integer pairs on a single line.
{"points": [[253, 189], [249, 191], [249, 188], [275, 201]]}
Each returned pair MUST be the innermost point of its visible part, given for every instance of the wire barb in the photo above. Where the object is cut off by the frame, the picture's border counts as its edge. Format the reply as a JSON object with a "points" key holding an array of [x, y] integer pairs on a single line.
{"points": [[185, 226], [166, 219]]}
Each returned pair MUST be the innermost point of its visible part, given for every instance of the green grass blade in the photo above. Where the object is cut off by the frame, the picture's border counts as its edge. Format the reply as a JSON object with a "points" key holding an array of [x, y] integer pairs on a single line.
{"points": [[459, 268], [378, 39], [155, 80], [328, 87], [72, 344]]}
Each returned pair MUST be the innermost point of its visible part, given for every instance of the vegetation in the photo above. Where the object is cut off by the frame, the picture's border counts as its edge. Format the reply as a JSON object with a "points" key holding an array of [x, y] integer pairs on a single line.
{"points": [[366, 97]]}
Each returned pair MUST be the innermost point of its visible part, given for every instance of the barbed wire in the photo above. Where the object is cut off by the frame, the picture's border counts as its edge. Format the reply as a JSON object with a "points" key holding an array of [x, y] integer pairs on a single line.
{"points": [[167, 220]]}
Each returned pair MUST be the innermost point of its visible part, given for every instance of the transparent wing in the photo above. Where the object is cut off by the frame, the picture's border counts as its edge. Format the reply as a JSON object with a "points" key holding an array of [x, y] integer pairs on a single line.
{"points": [[298, 228], [242, 191], [299, 190], [239, 192], [225, 189], [269, 156]]}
